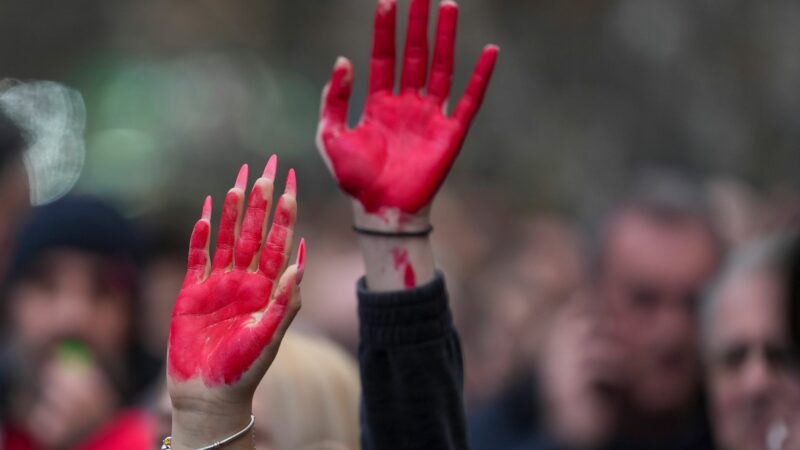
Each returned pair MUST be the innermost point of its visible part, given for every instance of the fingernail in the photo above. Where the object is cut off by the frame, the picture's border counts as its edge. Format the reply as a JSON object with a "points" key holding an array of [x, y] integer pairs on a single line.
{"points": [[206, 209], [301, 261], [291, 183], [344, 72], [241, 179], [493, 47], [384, 6], [271, 168]]}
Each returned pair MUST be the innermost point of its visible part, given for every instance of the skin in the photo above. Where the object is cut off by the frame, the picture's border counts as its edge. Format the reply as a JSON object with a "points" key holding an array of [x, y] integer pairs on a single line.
{"points": [[14, 206], [401, 263], [652, 276], [76, 397], [752, 386], [395, 160], [624, 358], [231, 315], [70, 295], [578, 360]]}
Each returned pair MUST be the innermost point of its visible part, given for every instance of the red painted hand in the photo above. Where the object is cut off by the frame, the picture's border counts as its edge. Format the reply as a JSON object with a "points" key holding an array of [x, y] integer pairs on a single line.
{"points": [[229, 317], [400, 153]]}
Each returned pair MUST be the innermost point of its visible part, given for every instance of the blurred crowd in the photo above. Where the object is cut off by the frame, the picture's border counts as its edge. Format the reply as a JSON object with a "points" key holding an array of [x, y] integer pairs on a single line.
{"points": [[603, 302]]}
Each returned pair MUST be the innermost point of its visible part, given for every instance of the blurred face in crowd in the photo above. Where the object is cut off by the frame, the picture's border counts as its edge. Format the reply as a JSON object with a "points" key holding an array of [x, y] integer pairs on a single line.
{"points": [[752, 386], [14, 204], [653, 270], [69, 294]]}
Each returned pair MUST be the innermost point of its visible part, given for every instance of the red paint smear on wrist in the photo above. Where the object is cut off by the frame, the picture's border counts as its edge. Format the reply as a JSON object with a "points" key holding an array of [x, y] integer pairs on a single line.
{"points": [[402, 264]]}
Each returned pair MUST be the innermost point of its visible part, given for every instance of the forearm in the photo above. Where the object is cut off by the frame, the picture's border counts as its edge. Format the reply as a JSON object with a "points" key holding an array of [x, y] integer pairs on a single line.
{"points": [[411, 370], [395, 263]]}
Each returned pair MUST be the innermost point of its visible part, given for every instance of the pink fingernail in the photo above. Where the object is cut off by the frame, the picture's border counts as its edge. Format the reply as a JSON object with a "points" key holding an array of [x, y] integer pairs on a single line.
{"points": [[384, 6], [271, 168], [206, 209], [241, 179], [301, 261], [291, 183]]}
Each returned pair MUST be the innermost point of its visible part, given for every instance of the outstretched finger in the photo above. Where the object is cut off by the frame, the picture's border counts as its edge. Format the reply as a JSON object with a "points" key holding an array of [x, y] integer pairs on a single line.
{"points": [[284, 304], [275, 254], [444, 53], [254, 223], [229, 223], [381, 70], [415, 57], [336, 97], [468, 105], [199, 264]]}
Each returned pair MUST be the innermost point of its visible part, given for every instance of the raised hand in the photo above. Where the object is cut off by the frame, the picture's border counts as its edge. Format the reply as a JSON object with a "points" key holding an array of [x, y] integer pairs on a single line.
{"points": [[397, 157], [231, 314]]}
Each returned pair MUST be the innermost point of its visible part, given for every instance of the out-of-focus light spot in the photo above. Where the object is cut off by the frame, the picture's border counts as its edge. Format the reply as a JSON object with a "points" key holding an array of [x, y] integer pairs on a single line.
{"points": [[53, 118], [124, 164]]}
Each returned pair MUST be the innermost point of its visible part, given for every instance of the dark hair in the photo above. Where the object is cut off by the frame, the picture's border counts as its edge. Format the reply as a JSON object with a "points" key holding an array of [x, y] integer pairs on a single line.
{"points": [[92, 226], [12, 141]]}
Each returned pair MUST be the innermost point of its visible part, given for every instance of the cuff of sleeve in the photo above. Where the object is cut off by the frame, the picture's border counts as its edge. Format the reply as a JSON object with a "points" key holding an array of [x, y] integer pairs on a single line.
{"points": [[407, 317]]}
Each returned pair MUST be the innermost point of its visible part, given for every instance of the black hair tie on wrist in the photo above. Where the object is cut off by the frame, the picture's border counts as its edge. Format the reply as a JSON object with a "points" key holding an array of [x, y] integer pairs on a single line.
{"points": [[400, 234]]}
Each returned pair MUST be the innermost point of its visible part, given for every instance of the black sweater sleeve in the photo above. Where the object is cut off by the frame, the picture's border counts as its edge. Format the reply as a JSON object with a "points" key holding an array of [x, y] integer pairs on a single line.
{"points": [[411, 370]]}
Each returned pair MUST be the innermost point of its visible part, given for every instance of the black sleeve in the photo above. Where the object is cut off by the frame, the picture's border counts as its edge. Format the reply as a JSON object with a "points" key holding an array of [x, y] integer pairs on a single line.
{"points": [[411, 370]]}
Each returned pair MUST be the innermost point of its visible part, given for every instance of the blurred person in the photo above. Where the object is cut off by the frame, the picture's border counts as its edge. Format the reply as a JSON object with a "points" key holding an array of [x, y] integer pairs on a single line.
{"points": [[310, 397], [656, 253], [536, 266], [753, 383], [737, 210], [162, 278], [14, 191], [307, 400], [742, 213], [333, 269], [74, 363], [620, 368]]}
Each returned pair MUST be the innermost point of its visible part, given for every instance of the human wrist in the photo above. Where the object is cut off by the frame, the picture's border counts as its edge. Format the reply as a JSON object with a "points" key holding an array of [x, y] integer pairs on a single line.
{"points": [[196, 426], [391, 220]]}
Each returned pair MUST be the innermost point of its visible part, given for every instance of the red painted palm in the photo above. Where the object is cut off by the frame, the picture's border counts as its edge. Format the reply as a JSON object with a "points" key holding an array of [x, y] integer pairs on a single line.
{"points": [[400, 153], [230, 315]]}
